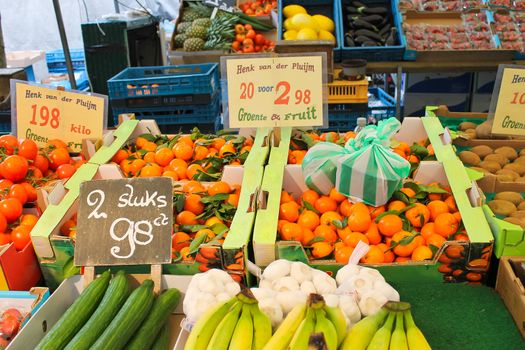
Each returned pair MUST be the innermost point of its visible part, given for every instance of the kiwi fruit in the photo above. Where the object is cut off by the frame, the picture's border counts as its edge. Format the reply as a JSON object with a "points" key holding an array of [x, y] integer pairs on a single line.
{"points": [[467, 125], [518, 214], [484, 130], [502, 207], [490, 166], [510, 196], [521, 206], [507, 174], [520, 159], [517, 167], [481, 170], [505, 178], [482, 150], [516, 221], [509, 152], [520, 180], [522, 152], [469, 158], [500, 158]]}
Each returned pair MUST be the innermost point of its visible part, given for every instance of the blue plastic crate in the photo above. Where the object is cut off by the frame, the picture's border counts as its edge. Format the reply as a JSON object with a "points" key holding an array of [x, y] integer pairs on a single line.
{"points": [[375, 53], [5, 121], [176, 115], [81, 78], [139, 82], [56, 61]]}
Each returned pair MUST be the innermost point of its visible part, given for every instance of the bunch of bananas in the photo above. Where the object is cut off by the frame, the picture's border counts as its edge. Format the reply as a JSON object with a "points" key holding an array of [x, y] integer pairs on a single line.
{"points": [[236, 324], [374, 333], [306, 322]]}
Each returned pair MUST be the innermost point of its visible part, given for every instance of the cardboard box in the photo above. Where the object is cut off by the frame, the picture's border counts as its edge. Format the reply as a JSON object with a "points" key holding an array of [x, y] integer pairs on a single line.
{"points": [[51, 311], [512, 291], [30, 300]]}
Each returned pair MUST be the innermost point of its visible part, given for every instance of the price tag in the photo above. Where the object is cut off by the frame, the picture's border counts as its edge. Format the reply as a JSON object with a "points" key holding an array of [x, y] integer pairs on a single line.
{"points": [[225, 5], [42, 114], [275, 92], [124, 222], [509, 99]]}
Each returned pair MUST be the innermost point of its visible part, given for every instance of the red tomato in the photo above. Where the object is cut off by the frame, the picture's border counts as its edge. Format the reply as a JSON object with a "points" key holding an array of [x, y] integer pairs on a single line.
{"points": [[19, 192], [250, 34], [41, 163], [5, 185], [14, 168], [65, 171], [8, 143], [11, 208], [28, 220], [31, 191], [13, 313], [79, 163], [259, 39], [3, 225], [248, 27], [34, 173], [5, 238], [28, 149], [21, 236], [58, 157]]}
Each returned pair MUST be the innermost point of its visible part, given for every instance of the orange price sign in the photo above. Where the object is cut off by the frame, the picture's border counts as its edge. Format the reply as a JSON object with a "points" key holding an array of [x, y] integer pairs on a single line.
{"points": [[43, 114], [275, 92], [509, 116]]}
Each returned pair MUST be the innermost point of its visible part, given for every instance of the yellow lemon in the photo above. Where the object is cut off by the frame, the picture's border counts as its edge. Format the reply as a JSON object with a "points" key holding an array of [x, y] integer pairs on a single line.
{"points": [[291, 10], [290, 34], [287, 24], [302, 20], [306, 34], [326, 35], [324, 23]]}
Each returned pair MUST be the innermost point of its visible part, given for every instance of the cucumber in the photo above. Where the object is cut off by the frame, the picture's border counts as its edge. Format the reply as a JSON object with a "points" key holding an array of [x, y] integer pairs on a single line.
{"points": [[115, 296], [76, 315], [158, 315], [163, 339], [128, 319]]}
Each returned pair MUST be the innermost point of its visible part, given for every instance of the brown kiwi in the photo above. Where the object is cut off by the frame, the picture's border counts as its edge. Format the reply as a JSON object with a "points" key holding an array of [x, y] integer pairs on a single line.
{"points": [[516, 221], [490, 166], [517, 167], [481, 170], [521, 206], [469, 158], [522, 152], [520, 159], [512, 175], [520, 180], [509, 152], [502, 207], [514, 197], [482, 150], [518, 214], [467, 125], [500, 158], [484, 130]]}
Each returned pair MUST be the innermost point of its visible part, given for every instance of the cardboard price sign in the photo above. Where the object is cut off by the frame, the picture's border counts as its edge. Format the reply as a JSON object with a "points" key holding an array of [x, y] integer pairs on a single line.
{"points": [[225, 5], [124, 222], [275, 92], [508, 112], [42, 114]]}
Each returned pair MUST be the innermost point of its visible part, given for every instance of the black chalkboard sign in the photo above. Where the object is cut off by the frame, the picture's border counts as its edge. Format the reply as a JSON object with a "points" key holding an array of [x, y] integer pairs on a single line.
{"points": [[225, 5], [124, 222]]}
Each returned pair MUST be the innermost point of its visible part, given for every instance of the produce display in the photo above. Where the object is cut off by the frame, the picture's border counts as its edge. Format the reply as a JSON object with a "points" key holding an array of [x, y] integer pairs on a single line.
{"points": [[258, 7], [509, 26], [504, 162], [298, 24], [439, 5], [248, 40], [510, 206]]}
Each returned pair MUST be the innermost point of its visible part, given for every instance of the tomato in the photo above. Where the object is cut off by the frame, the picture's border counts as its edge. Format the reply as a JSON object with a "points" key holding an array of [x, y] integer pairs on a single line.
{"points": [[14, 168], [240, 37], [28, 149], [259, 39], [5, 185], [248, 27], [258, 48], [65, 171], [21, 236], [41, 163], [5, 238], [58, 157], [3, 224], [11, 208], [13, 313], [236, 46], [19, 192], [30, 190], [239, 29], [34, 173], [29, 220], [79, 163], [8, 143], [250, 34]]}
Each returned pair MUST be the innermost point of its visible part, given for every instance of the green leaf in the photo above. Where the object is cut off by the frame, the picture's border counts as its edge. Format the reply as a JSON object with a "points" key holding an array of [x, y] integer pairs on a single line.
{"points": [[216, 239], [419, 151], [434, 250], [432, 189], [178, 201], [191, 228], [345, 222], [148, 137], [310, 142], [338, 224], [421, 220], [216, 198], [195, 244], [413, 186], [177, 258], [401, 197], [405, 240], [407, 226], [421, 195], [315, 240], [310, 207], [301, 144], [389, 212], [219, 228]]}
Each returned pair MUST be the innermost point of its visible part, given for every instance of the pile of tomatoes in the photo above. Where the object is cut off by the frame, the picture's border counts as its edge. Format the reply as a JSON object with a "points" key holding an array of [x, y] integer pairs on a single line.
{"points": [[258, 7], [247, 40]]}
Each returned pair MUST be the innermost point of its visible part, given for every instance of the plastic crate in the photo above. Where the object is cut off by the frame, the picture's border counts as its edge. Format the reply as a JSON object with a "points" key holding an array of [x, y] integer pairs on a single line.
{"points": [[5, 121], [376, 53], [345, 91], [165, 81], [56, 61], [81, 78]]}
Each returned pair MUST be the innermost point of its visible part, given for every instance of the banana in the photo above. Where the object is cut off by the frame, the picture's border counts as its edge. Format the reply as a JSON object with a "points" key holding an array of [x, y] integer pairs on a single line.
{"points": [[224, 330], [302, 334], [262, 328], [282, 337], [336, 316], [415, 338], [323, 325], [203, 330], [363, 331], [243, 334], [399, 337], [381, 339]]}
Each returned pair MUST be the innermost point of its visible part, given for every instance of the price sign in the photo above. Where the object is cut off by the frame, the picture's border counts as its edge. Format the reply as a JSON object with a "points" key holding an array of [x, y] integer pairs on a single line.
{"points": [[275, 92], [43, 114], [509, 100], [124, 222], [225, 5]]}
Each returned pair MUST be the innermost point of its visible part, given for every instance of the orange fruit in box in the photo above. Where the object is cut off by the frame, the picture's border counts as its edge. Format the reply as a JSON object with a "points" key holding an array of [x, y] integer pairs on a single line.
{"points": [[291, 232], [225, 150], [374, 256], [437, 207], [308, 235], [376, 211], [402, 248], [343, 233], [308, 219], [390, 224], [396, 205], [329, 217], [428, 230], [151, 170], [353, 239], [345, 208], [193, 170], [336, 196], [193, 187], [285, 197], [418, 216], [213, 220], [321, 249], [186, 139], [193, 203], [163, 156], [150, 146], [171, 173], [359, 219], [451, 202], [342, 254], [289, 211], [422, 253], [373, 234], [446, 224], [408, 191], [180, 240], [309, 196], [233, 199], [435, 240], [388, 255], [207, 232], [326, 232], [219, 187], [183, 151], [186, 217], [324, 204]]}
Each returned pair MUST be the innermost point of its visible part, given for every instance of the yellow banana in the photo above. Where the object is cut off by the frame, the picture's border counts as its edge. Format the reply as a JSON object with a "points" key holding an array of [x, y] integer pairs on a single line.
{"points": [[262, 328], [323, 325], [243, 334], [224, 330], [399, 337], [282, 337], [381, 339], [202, 332], [336, 316], [302, 334], [415, 338], [363, 331]]}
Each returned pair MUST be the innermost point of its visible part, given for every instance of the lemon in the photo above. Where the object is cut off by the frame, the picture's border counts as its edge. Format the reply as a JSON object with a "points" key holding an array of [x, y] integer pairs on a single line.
{"points": [[287, 24], [290, 34], [291, 10], [326, 35], [307, 34], [324, 23], [303, 20]]}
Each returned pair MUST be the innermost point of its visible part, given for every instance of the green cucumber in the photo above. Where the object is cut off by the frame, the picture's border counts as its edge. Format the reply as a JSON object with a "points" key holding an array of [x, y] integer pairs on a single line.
{"points": [[163, 339], [76, 315], [128, 319], [158, 315], [114, 298]]}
